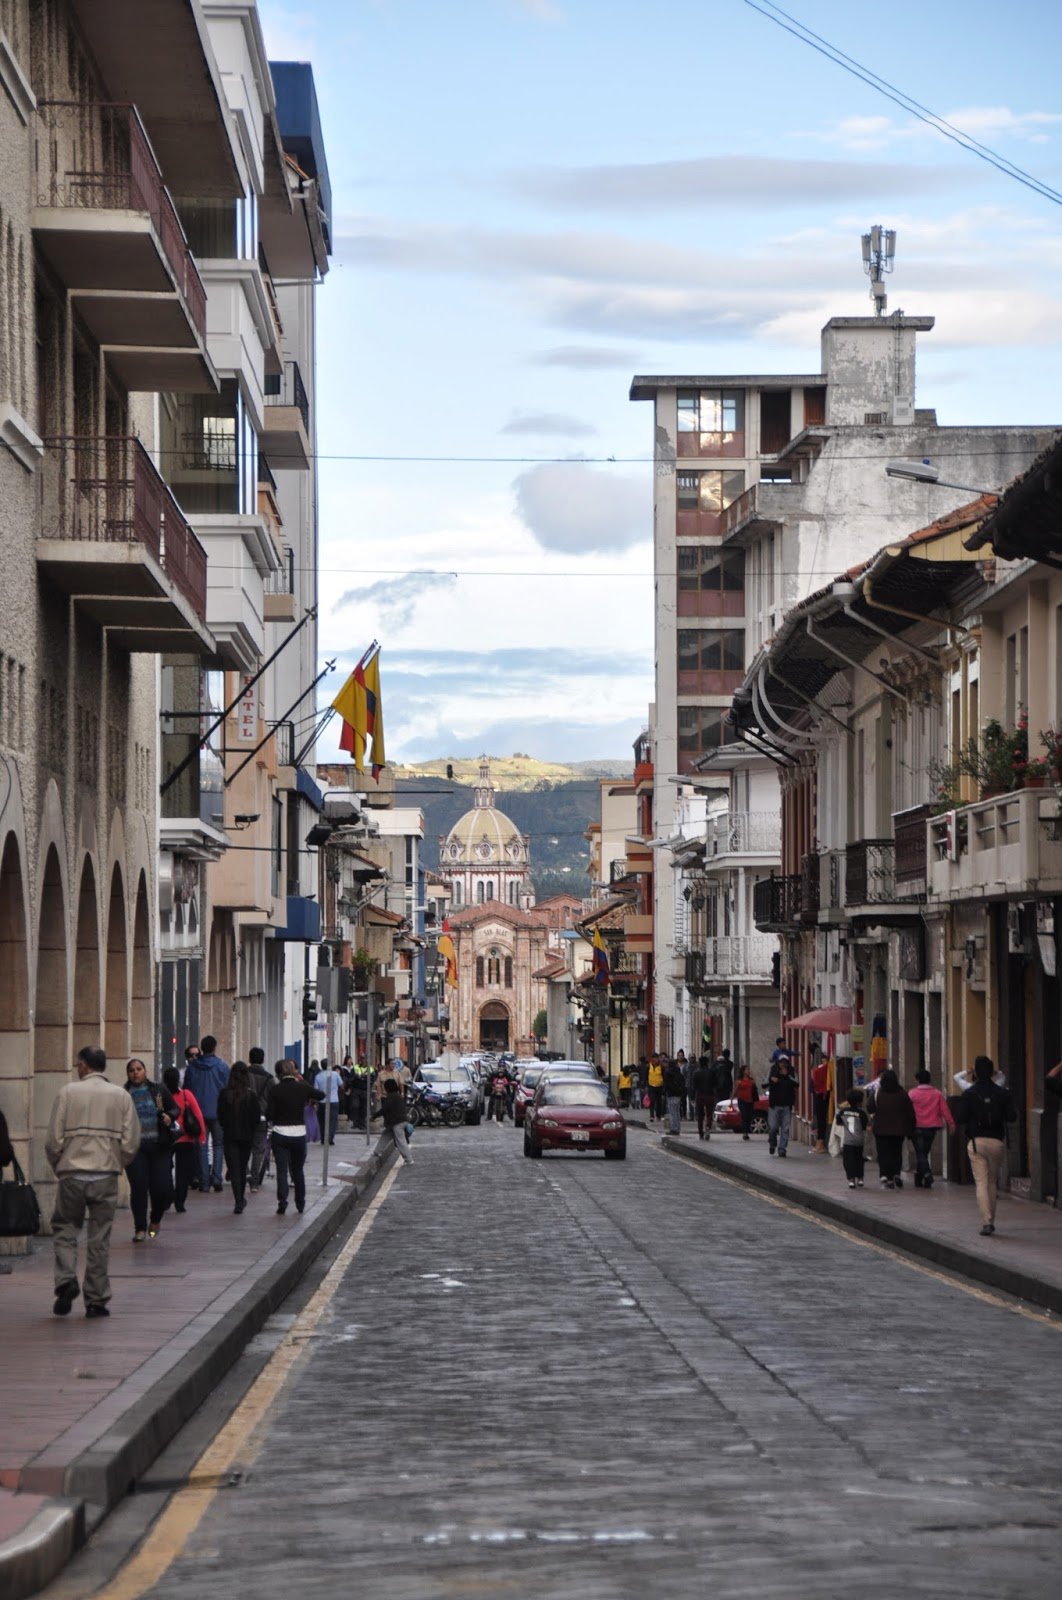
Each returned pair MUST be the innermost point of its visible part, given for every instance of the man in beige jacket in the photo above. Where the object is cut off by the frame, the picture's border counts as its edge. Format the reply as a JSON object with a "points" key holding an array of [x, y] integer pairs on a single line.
{"points": [[93, 1135]]}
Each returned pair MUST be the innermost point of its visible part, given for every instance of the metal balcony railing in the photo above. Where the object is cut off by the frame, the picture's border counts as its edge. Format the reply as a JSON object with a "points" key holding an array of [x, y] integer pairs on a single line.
{"points": [[809, 890], [740, 956], [96, 155], [287, 389], [744, 833], [869, 872], [282, 582], [108, 490], [777, 901], [910, 834]]}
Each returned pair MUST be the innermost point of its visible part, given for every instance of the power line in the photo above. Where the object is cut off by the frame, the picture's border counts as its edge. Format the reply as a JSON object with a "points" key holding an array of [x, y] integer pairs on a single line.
{"points": [[899, 97]]}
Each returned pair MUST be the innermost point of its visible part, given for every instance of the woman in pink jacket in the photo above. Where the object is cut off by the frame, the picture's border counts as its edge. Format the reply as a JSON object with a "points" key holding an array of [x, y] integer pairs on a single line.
{"points": [[931, 1113]]}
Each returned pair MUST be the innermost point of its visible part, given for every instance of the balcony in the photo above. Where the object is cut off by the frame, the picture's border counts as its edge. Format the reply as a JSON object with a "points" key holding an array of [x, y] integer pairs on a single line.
{"points": [[114, 538], [280, 592], [777, 902], [870, 882], [286, 438], [107, 226], [742, 833], [997, 849], [830, 911], [911, 839], [763, 506], [740, 958]]}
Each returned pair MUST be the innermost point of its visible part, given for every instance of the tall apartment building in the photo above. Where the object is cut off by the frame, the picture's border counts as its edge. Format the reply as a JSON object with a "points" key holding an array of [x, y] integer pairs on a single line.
{"points": [[766, 487], [140, 339]]}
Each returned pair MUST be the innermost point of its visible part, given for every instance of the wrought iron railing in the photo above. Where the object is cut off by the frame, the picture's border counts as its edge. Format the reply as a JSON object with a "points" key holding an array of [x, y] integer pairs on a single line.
{"points": [[869, 872], [777, 901], [744, 833], [96, 155], [108, 490], [910, 834], [287, 389], [809, 892]]}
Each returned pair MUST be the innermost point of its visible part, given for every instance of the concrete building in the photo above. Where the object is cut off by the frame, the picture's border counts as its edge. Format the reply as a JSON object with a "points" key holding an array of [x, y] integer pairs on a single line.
{"points": [[765, 487], [140, 535]]}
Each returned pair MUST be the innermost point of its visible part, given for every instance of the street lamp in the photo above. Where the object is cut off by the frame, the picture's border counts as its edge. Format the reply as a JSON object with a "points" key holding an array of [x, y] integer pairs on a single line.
{"points": [[923, 472]]}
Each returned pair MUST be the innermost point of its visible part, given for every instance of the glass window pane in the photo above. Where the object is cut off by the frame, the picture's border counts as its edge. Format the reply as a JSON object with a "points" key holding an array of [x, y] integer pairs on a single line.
{"points": [[688, 489], [687, 413], [711, 488], [733, 486]]}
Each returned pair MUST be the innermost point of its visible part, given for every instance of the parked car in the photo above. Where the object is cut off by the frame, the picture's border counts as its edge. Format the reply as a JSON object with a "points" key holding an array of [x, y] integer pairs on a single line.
{"points": [[525, 1089], [728, 1117], [571, 1112]]}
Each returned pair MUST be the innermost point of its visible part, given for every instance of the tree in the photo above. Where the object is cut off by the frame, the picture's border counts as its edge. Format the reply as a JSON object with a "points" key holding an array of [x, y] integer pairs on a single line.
{"points": [[538, 1027]]}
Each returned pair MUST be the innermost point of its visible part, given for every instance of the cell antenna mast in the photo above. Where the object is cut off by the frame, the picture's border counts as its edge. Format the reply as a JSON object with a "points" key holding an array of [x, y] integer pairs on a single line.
{"points": [[879, 257]]}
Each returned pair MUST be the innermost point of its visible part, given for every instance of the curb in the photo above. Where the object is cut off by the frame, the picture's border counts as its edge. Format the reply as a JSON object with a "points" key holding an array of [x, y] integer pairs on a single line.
{"points": [[964, 1263], [95, 1481]]}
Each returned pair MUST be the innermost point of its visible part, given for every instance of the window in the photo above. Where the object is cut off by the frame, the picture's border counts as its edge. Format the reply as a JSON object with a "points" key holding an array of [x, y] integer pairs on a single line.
{"points": [[711, 650], [702, 566], [458, 892], [708, 491], [278, 844], [717, 415], [479, 972], [479, 892], [508, 972], [700, 729], [212, 447]]}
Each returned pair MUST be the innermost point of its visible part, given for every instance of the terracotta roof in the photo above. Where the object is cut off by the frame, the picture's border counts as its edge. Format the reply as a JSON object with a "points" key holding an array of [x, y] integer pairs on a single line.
{"points": [[551, 968], [608, 917], [495, 910]]}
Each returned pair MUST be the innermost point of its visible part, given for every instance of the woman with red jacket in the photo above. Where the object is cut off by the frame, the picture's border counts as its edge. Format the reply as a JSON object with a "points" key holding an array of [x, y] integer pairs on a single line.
{"points": [[186, 1150], [745, 1094]]}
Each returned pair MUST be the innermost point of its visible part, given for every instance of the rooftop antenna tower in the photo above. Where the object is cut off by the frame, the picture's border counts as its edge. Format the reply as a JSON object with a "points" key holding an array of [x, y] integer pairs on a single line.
{"points": [[879, 257]]}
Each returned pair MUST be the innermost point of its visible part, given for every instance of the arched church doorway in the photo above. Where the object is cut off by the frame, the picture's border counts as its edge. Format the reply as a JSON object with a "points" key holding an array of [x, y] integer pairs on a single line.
{"points": [[494, 1026]]}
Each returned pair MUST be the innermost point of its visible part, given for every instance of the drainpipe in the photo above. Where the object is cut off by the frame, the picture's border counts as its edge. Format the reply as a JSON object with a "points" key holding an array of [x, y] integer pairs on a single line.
{"points": [[912, 616], [858, 665], [842, 589]]}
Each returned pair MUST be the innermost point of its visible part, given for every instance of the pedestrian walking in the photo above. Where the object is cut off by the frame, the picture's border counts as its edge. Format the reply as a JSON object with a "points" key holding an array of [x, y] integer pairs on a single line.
{"points": [[239, 1114], [393, 1111], [894, 1121], [684, 1067], [655, 1079], [186, 1150], [206, 1075], [150, 1172], [93, 1134], [820, 1097], [704, 1086], [983, 1113], [852, 1120], [287, 1103], [746, 1095], [781, 1098], [674, 1095], [932, 1113], [261, 1081], [624, 1084], [724, 1076], [359, 1093], [329, 1082]]}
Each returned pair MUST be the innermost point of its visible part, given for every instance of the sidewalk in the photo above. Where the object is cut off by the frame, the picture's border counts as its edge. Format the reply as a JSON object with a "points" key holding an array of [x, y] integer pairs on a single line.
{"points": [[87, 1405], [1023, 1258]]}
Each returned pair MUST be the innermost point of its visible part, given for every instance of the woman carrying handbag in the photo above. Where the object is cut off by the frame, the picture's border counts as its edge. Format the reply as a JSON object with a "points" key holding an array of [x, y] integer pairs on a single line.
{"points": [[150, 1172]]}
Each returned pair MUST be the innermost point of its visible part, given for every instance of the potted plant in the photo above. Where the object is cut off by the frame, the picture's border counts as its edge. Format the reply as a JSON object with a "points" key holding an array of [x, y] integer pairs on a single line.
{"points": [[364, 968], [1052, 743], [997, 760], [1036, 773]]}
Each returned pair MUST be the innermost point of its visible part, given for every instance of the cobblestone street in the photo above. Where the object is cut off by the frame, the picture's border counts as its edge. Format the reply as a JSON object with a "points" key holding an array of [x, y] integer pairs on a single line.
{"points": [[572, 1378]]}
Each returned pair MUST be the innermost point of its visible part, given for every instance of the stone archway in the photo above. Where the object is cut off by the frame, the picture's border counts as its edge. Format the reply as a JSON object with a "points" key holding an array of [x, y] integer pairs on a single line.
{"points": [[142, 1010], [494, 1026], [51, 1021], [86, 1014], [14, 994], [116, 982]]}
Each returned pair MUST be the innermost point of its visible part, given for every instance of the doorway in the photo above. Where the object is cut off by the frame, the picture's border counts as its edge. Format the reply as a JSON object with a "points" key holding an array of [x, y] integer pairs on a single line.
{"points": [[494, 1027]]}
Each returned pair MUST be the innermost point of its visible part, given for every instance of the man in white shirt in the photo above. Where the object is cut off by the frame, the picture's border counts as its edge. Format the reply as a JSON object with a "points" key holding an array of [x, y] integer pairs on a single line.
{"points": [[329, 1081]]}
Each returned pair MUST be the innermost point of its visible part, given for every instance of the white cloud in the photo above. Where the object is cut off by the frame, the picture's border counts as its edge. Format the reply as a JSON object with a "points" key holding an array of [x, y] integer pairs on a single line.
{"points": [[877, 133], [573, 507], [548, 424]]}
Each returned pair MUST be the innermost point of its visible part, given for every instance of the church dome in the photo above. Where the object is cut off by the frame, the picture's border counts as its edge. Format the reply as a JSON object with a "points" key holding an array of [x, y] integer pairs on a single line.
{"points": [[484, 836]]}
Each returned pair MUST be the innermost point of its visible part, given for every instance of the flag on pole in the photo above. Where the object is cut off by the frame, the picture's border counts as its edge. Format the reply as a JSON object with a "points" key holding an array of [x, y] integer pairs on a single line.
{"points": [[447, 951], [361, 708], [601, 972]]}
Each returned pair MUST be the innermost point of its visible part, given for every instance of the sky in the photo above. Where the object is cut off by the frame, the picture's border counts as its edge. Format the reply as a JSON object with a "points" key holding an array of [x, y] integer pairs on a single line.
{"points": [[533, 200]]}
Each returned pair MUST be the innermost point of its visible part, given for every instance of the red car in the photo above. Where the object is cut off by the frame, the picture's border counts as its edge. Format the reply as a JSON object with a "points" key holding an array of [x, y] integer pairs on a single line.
{"points": [[577, 1114], [727, 1115]]}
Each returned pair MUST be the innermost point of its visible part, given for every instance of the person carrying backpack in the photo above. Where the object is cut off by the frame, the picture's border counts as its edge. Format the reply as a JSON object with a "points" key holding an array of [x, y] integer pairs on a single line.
{"points": [[983, 1112]]}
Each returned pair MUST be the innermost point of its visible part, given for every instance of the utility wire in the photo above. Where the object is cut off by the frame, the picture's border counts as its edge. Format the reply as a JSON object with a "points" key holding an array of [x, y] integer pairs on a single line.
{"points": [[906, 102]]}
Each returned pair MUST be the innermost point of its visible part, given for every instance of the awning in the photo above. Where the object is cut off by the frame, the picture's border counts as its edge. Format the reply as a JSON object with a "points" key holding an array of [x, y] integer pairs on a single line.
{"points": [[828, 1019]]}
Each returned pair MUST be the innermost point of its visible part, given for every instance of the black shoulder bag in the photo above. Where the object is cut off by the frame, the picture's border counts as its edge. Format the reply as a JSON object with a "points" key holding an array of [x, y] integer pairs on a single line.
{"points": [[20, 1214]]}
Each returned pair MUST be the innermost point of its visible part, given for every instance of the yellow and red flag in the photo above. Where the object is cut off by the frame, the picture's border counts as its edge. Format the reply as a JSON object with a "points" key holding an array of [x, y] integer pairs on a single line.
{"points": [[360, 705], [448, 952]]}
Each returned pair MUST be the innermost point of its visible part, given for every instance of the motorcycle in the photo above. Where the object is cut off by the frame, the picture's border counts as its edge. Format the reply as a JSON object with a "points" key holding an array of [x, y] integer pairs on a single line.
{"points": [[428, 1108]]}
